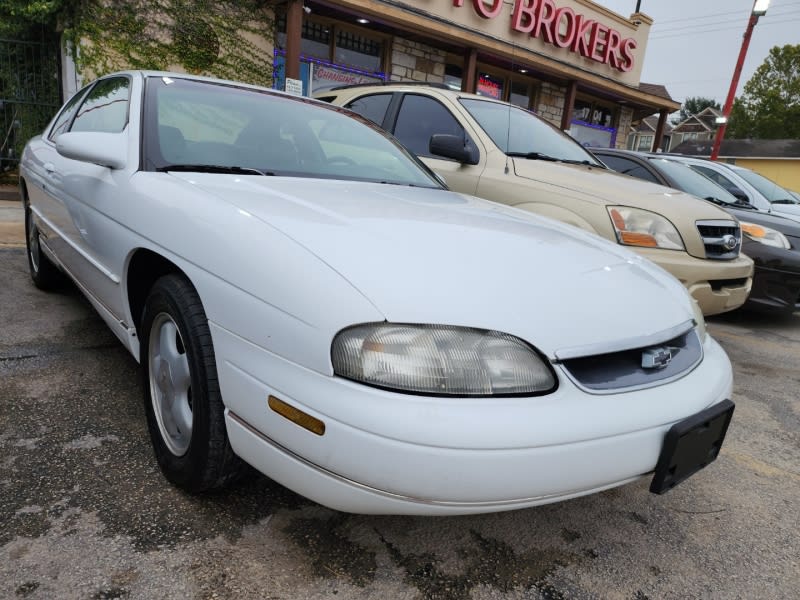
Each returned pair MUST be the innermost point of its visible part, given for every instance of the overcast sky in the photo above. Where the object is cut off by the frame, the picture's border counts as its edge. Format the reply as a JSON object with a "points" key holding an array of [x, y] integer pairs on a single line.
{"points": [[694, 44]]}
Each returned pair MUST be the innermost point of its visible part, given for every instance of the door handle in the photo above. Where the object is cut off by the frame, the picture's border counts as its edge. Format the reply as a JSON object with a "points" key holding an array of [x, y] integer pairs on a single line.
{"points": [[49, 167]]}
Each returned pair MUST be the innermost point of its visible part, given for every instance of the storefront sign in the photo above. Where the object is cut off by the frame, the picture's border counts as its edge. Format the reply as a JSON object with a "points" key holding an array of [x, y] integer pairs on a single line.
{"points": [[487, 86], [325, 77], [564, 28]]}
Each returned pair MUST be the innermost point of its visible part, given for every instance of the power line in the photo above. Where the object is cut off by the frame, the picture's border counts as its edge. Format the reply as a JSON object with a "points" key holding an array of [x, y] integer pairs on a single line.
{"points": [[703, 31], [655, 31]]}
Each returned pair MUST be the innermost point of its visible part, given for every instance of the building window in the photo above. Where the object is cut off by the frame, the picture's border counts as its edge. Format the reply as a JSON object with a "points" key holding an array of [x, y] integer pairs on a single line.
{"points": [[645, 143], [453, 75], [330, 55], [355, 50], [593, 113], [519, 94], [351, 48]]}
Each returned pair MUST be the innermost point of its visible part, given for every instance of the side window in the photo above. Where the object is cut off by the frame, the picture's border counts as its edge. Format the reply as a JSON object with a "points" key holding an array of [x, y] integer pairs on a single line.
{"points": [[61, 124], [628, 167], [715, 177], [105, 108], [419, 118], [372, 107]]}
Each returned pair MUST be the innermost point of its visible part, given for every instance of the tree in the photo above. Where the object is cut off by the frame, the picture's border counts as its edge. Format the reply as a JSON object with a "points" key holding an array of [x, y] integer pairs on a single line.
{"points": [[769, 107], [20, 18], [695, 105]]}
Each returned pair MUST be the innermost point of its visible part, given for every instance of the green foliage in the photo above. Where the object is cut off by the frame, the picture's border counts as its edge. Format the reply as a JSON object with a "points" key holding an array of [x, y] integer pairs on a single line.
{"points": [[769, 107], [696, 105], [199, 36], [17, 16]]}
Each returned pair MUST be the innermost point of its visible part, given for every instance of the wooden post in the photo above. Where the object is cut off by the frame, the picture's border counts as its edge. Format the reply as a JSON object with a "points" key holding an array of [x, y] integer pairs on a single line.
{"points": [[569, 105], [662, 124], [294, 28], [468, 81]]}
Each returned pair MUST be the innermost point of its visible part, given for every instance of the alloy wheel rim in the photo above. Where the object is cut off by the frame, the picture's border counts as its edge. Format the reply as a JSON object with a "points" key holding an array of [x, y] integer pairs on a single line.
{"points": [[170, 384]]}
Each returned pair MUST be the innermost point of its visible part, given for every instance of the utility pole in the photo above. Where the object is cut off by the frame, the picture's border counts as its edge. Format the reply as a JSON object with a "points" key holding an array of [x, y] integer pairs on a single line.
{"points": [[759, 9]]}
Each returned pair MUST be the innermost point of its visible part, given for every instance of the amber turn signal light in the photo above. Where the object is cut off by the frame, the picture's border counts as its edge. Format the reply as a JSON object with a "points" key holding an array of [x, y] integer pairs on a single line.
{"points": [[296, 416]]}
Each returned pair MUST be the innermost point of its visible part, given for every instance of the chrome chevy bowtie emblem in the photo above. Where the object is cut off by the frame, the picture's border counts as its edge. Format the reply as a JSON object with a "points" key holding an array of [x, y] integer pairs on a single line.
{"points": [[656, 358], [729, 242]]}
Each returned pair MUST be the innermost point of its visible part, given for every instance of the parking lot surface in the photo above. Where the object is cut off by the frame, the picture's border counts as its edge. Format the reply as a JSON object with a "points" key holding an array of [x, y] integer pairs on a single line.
{"points": [[85, 513]]}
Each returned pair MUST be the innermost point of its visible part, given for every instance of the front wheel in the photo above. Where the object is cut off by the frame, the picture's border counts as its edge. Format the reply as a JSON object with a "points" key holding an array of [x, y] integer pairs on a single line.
{"points": [[45, 275], [185, 412]]}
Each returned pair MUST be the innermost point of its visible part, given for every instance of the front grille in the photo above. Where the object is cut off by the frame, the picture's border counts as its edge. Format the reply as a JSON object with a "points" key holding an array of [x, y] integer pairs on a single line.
{"points": [[718, 284], [722, 239], [627, 369]]}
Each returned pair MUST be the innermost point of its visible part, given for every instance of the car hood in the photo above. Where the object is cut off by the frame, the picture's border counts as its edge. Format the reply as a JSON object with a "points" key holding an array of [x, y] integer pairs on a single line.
{"points": [[608, 187], [432, 256], [790, 210]]}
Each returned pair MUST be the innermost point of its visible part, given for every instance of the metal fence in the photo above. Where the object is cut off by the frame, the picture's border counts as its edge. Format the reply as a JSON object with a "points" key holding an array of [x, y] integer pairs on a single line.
{"points": [[30, 94]]}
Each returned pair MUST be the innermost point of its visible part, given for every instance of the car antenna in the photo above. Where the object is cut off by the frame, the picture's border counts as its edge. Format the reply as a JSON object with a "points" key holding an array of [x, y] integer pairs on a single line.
{"points": [[508, 110]]}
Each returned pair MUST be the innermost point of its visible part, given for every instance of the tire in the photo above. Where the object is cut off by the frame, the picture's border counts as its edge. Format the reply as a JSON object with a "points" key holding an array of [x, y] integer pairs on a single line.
{"points": [[45, 275], [182, 400]]}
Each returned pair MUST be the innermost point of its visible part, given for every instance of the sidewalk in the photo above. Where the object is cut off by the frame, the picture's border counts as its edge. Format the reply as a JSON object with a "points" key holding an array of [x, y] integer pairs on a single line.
{"points": [[12, 218]]}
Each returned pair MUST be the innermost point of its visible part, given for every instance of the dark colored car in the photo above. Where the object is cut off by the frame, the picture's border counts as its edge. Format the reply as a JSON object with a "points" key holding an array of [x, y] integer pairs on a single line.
{"points": [[772, 242]]}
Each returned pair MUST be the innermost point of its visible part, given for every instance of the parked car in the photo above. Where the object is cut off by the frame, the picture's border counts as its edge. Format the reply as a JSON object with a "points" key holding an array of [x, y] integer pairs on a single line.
{"points": [[773, 242], [500, 152], [746, 185], [304, 296]]}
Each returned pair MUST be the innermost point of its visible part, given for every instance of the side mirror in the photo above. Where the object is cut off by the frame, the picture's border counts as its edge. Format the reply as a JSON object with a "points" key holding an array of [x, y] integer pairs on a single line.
{"points": [[455, 147], [99, 148]]}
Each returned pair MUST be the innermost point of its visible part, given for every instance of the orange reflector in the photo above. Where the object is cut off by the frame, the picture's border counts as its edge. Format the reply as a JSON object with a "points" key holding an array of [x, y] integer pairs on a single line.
{"points": [[619, 222], [296, 416], [753, 230], [638, 239]]}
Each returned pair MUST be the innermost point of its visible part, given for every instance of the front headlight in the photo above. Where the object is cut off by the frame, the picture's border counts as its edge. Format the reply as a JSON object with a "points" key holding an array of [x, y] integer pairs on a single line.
{"points": [[637, 227], [765, 235], [440, 360]]}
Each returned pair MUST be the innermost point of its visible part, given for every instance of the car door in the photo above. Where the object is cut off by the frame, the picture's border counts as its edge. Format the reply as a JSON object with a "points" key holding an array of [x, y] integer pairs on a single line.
{"points": [[50, 213], [82, 194], [413, 119], [418, 117], [729, 183]]}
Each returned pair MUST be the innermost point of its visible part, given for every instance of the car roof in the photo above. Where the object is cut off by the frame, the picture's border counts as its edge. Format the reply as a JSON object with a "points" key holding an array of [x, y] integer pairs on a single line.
{"points": [[145, 73], [412, 86]]}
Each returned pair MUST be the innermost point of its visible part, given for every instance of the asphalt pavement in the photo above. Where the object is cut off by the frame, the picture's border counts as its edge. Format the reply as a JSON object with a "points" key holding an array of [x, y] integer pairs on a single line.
{"points": [[85, 513]]}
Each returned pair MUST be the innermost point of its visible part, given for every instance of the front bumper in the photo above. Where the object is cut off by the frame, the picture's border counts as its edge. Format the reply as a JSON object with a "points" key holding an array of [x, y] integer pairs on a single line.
{"points": [[776, 279], [390, 453], [717, 285]]}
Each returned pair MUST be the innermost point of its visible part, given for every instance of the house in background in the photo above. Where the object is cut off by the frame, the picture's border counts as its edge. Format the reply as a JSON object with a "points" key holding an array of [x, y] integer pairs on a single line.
{"points": [[698, 128], [778, 160], [642, 136]]}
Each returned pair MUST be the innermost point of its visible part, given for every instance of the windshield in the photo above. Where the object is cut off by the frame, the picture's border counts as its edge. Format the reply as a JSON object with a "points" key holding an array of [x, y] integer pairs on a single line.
{"points": [[519, 133], [768, 188], [689, 180], [220, 128]]}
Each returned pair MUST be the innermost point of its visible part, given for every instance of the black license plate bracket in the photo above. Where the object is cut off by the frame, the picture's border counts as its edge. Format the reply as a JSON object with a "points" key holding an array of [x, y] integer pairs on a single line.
{"points": [[691, 445]]}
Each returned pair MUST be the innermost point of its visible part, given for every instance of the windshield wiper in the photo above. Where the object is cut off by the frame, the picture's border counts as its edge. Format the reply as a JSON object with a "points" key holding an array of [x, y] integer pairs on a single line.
{"points": [[570, 161], [533, 156], [547, 157], [215, 169], [783, 201]]}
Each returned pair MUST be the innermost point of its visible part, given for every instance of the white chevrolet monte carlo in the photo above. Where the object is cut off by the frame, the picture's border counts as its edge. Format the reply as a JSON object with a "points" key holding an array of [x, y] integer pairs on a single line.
{"points": [[304, 296]]}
